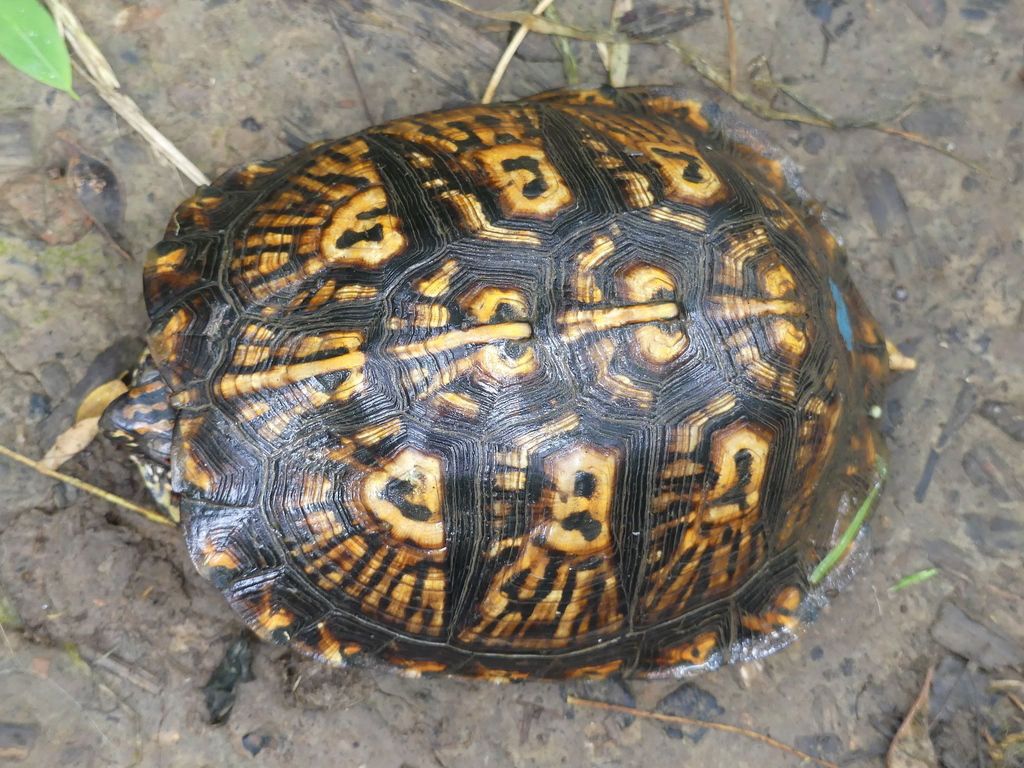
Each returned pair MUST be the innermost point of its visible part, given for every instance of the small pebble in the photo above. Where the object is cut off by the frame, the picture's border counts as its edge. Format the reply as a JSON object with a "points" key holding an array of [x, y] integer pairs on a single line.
{"points": [[814, 143], [38, 407], [970, 184], [251, 124], [255, 743]]}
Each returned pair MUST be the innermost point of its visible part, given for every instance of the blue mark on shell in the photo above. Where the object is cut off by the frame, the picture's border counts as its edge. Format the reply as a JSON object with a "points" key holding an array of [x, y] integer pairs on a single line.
{"points": [[842, 314]]}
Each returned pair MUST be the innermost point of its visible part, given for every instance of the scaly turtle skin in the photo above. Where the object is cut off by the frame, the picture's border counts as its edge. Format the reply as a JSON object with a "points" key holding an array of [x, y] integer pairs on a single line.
{"points": [[571, 386]]}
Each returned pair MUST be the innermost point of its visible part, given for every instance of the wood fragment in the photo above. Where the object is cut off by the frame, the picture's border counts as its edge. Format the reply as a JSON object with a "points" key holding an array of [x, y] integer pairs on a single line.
{"points": [[118, 667], [730, 31], [963, 407], [1005, 417], [958, 632]]}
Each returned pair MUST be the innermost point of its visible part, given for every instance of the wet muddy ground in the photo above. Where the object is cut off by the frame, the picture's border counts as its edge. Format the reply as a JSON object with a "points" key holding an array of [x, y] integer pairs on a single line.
{"points": [[109, 633]]}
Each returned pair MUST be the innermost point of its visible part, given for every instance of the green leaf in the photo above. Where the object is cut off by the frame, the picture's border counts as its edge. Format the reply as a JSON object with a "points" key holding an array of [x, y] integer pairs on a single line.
{"points": [[829, 561], [914, 578], [30, 41]]}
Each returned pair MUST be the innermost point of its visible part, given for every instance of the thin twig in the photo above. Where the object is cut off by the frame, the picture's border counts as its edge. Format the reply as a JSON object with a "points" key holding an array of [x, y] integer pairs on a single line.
{"points": [[510, 51], [919, 139], [730, 32], [97, 70], [701, 724], [149, 514], [544, 26]]}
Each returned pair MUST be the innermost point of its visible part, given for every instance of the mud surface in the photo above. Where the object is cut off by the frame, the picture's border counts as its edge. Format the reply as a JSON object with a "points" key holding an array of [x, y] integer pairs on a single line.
{"points": [[110, 635]]}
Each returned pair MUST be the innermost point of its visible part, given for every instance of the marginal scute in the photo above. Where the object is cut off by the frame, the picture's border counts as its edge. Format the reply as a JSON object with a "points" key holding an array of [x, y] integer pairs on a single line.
{"points": [[571, 387], [691, 653]]}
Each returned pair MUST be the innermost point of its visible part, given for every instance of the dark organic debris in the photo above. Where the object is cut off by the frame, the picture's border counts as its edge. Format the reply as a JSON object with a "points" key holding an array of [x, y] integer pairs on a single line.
{"points": [[690, 701], [255, 743], [889, 213], [959, 633], [957, 687], [15, 141], [995, 535], [986, 468], [221, 690], [658, 21], [17, 740], [822, 9], [963, 407], [99, 191], [1005, 416], [885, 202]]}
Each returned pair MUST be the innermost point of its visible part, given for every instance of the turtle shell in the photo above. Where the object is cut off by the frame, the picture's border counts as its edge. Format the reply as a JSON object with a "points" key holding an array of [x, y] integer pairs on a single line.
{"points": [[570, 386]]}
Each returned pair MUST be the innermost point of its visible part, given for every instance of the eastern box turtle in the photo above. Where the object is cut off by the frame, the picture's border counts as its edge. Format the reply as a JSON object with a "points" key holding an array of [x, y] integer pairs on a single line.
{"points": [[570, 386]]}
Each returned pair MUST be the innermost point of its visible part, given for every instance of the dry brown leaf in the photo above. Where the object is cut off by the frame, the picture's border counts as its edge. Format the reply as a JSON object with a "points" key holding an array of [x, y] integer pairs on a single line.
{"points": [[71, 442], [96, 402], [912, 745]]}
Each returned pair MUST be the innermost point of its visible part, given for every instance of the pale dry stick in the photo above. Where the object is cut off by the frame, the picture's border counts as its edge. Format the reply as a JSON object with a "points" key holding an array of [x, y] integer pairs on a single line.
{"points": [[730, 32], [96, 69], [510, 51], [618, 53], [149, 514], [934, 145], [701, 724], [1017, 702], [541, 25]]}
